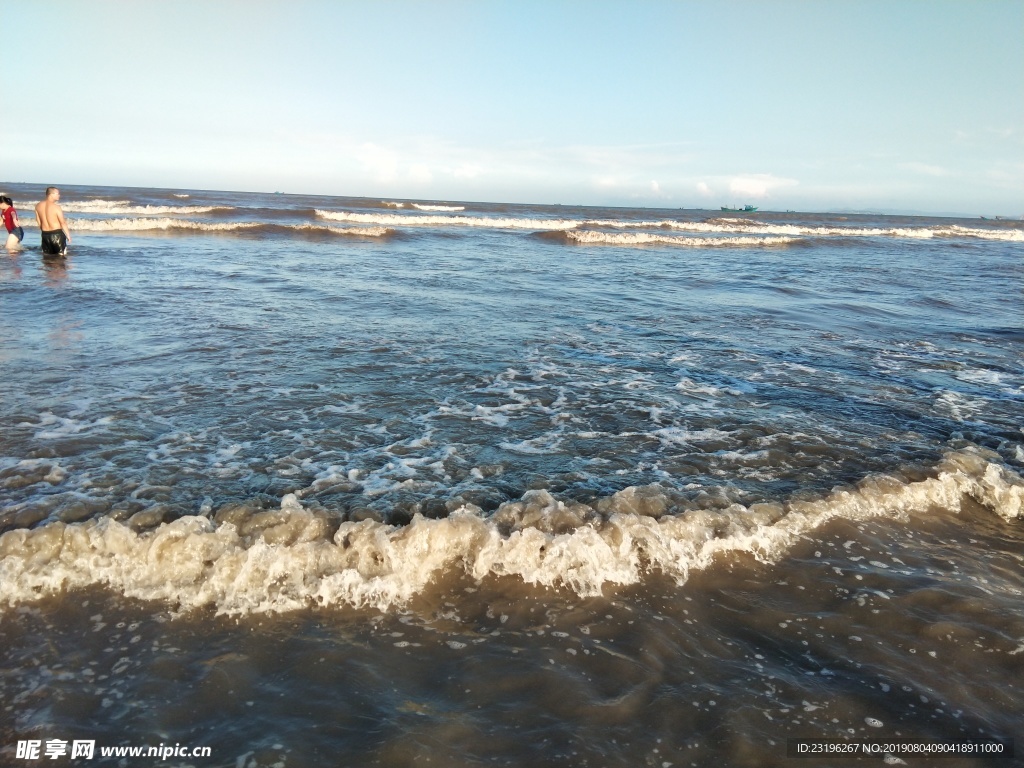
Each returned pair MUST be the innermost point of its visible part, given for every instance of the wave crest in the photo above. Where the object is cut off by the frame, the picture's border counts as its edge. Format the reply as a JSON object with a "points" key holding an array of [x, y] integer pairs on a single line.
{"points": [[424, 207], [144, 225], [712, 226], [126, 208], [405, 220], [590, 237], [292, 557], [748, 226]]}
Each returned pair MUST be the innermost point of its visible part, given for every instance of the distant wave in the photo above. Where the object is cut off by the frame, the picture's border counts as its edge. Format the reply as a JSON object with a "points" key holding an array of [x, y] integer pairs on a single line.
{"points": [[1014, 235], [423, 206], [714, 226], [126, 207], [588, 237], [182, 196], [405, 220], [361, 231], [143, 225], [439, 207], [747, 226], [724, 230], [294, 557]]}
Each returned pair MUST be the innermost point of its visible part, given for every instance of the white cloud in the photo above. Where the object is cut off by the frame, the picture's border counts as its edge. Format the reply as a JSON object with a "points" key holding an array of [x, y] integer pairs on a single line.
{"points": [[704, 189], [758, 184], [655, 188]]}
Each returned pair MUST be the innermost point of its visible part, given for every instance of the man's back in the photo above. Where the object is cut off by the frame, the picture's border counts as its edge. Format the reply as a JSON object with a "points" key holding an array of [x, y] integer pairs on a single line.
{"points": [[49, 215]]}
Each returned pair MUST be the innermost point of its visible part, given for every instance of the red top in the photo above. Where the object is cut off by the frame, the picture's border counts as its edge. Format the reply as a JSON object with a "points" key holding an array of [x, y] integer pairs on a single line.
{"points": [[9, 218]]}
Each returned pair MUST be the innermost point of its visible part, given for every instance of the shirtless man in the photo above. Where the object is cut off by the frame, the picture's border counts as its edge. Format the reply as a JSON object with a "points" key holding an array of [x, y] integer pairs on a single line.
{"points": [[51, 222]]}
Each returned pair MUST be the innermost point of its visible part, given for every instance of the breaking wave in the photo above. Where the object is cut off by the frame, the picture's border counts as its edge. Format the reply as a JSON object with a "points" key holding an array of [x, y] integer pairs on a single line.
{"points": [[713, 226], [250, 561], [1014, 235], [126, 207], [144, 225], [747, 226], [917, 233], [588, 237], [405, 220], [419, 207]]}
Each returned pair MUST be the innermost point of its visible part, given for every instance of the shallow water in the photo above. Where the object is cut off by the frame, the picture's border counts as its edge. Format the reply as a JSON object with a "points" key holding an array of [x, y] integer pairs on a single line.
{"points": [[508, 484]]}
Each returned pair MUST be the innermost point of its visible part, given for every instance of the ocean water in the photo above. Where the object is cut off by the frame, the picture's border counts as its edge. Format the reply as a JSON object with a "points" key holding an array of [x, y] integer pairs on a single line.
{"points": [[321, 481]]}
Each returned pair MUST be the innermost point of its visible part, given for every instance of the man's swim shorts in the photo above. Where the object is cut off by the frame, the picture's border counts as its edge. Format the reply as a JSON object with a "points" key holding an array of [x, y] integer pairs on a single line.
{"points": [[55, 243]]}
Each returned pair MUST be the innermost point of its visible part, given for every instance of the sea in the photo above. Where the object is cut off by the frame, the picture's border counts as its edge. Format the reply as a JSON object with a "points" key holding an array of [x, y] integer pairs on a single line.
{"points": [[293, 480]]}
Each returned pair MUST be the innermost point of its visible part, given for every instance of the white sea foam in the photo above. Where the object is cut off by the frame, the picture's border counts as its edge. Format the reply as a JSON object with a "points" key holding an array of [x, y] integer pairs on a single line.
{"points": [[1007, 383], [718, 226], [913, 233], [1013, 235], [591, 237], [419, 207], [143, 224], [53, 427], [687, 437], [363, 231], [127, 208], [139, 224], [746, 226], [86, 205], [959, 406], [405, 220], [550, 442], [286, 559], [393, 205]]}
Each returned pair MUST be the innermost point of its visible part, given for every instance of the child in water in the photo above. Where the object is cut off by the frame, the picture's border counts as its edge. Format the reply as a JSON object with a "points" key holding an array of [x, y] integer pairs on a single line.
{"points": [[15, 234]]}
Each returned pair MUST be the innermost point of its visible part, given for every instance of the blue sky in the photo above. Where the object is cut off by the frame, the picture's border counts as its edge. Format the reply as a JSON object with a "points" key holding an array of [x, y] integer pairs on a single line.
{"points": [[809, 105]]}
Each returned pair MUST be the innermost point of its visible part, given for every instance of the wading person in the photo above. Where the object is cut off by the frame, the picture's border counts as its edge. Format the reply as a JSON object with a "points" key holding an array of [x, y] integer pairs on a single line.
{"points": [[15, 234], [52, 225]]}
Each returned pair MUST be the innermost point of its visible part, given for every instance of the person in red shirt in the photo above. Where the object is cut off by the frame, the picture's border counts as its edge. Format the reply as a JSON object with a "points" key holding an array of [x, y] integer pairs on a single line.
{"points": [[15, 234]]}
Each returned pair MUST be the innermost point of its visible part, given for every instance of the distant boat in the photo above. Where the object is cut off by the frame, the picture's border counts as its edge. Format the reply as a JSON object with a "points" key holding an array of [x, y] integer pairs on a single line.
{"points": [[744, 209]]}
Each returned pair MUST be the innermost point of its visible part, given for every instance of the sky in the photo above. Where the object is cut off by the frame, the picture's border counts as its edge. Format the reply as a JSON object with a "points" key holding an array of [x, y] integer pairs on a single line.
{"points": [[809, 105]]}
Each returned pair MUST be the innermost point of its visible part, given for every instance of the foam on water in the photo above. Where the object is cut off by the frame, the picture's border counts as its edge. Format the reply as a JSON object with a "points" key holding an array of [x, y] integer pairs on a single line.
{"points": [[405, 220], [142, 225], [1013, 235], [55, 427], [419, 207], [292, 557], [126, 207], [590, 237], [746, 226], [714, 226]]}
